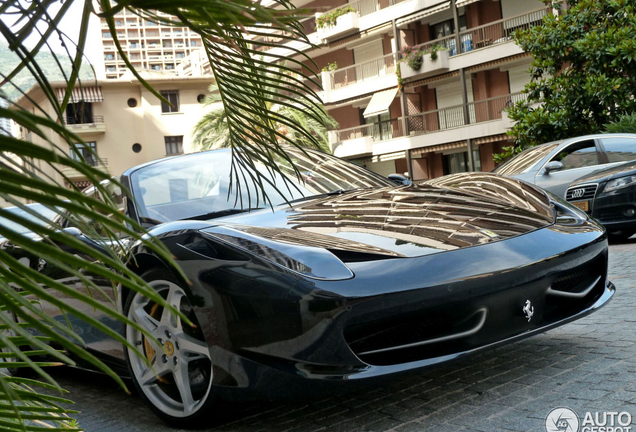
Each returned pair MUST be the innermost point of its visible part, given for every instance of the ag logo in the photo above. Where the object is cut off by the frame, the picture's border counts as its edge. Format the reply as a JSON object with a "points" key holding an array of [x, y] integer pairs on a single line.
{"points": [[562, 420]]}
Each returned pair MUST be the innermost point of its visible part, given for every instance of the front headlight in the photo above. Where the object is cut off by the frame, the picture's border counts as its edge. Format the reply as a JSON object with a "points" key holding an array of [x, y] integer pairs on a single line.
{"points": [[309, 261], [619, 183]]}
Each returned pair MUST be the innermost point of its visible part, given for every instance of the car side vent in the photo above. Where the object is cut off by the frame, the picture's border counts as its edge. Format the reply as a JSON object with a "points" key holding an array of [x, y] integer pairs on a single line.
{"points": [[581, 192], [347, 256]]}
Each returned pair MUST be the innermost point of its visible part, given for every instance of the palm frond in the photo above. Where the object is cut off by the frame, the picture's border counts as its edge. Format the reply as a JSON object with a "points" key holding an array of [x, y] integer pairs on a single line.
{"points": [[266, 103]]}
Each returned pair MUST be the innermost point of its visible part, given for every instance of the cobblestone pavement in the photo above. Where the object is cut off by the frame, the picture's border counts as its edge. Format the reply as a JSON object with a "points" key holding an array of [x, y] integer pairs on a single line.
{"points": [[589, 365]]}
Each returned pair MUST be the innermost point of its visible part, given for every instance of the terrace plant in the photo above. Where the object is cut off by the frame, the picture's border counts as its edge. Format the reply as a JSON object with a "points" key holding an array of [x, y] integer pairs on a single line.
{"points": [[330, 18]]}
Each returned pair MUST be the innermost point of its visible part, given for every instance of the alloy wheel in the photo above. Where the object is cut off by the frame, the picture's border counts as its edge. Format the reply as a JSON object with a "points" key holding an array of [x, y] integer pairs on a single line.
{"points": [[179, 380]]}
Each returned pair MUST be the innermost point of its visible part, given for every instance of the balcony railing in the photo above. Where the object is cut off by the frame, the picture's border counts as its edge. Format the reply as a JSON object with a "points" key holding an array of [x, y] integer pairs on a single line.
{"points": [[380, 131], [492, 33], [500, 31], [433, 121], [451, 117], [363, 71], [367, 7], [278, 37], [75, 121]]}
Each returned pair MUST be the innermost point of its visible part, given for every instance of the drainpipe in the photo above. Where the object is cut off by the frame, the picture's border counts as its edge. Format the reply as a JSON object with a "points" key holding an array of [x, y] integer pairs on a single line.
{"points": [[469, 142], [398, 47], [458, 41]]}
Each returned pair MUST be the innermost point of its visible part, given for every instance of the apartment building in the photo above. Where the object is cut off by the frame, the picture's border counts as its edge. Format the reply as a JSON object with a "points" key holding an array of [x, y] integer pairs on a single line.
{"points": [[147, 44], [450, 113], [124, 123]]}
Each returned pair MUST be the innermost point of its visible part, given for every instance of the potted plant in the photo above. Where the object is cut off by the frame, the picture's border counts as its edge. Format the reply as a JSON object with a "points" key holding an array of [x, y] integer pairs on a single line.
{"points": [[338, 22]]}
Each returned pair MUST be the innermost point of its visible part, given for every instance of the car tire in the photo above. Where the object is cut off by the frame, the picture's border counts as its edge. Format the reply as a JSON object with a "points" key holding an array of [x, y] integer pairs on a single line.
{"points": [[619, 236], [178, 386]]}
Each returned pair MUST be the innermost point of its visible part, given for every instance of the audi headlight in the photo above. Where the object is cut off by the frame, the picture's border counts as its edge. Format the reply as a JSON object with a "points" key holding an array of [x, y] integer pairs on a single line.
{"points": [[309, 261], [619, 183], [566, 213]]}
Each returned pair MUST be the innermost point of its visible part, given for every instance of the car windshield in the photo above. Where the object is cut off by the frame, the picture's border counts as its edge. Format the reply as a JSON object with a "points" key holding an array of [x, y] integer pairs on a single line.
{"points": [[38, 208], [525, 160], [198, 185]]}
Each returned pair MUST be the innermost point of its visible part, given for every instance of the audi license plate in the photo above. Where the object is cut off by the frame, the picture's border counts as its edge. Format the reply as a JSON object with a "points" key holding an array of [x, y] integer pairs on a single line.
{"points": [[583, 205]]}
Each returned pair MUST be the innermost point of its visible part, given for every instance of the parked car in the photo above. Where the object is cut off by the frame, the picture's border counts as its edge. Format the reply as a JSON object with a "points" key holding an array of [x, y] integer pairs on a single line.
{"points": [[609, 195], [355, 279], [554, 166], [45, 212]]}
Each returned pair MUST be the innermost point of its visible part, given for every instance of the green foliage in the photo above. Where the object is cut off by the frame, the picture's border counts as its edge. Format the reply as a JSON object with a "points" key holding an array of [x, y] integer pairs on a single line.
{"points": [[48, 61], [625, 124], [330, 67], [414, 56], [398, 74], [329, 19], [435, 49], [583, 72], [249, 84]]}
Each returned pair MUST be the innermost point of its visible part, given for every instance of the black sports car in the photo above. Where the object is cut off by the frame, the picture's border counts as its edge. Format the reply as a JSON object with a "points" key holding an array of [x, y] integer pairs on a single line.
{"points": [[358, 278], [609, 196]]}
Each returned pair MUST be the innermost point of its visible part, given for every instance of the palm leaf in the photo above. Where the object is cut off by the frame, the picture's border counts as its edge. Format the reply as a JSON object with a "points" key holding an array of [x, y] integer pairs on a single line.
{"points": [[266, 103]]}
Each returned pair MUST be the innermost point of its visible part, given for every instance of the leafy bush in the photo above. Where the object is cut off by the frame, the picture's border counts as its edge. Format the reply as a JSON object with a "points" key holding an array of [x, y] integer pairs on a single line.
{"points": [[625, 124], [330, 67], [329, 19]]}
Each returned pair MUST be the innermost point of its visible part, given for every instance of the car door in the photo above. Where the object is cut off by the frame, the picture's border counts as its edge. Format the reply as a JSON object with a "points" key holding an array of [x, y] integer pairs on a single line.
{"points": [[579, 158], [619, 149]]}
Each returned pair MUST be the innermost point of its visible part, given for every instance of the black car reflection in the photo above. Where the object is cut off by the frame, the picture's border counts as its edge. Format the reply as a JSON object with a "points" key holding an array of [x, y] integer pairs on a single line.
{"points": [[357, 278], [609, 196]]}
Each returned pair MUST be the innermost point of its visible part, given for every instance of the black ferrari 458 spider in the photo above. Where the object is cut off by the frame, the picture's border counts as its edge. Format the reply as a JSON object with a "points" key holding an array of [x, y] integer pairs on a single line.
{"points": [[349, 277]]}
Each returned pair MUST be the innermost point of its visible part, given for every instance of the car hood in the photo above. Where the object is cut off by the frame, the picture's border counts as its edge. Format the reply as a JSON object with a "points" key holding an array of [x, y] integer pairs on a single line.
{"points": [[444, 214], [600, 176]]}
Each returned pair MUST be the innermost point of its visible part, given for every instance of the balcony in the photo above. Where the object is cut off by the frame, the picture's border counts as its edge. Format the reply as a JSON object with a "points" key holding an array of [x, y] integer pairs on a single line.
{"points": [[95, 125], [495, 36], [429, 66], [73, 174], [351, 81], [345, 25], [358, 140]]}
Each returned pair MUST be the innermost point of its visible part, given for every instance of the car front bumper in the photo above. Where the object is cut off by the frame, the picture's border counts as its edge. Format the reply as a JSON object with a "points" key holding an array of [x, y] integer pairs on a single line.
{"points": [[278, 331]]}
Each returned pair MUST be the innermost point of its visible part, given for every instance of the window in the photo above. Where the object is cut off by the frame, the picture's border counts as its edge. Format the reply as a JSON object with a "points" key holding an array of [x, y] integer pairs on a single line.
{"points": [[106, 34], [180, 55], [109, 56], [174, 144], [110, 68], [173, 97], [620, 149], [577, 155], [458, 162], [193, 43], [79, 113], [85, 152]]}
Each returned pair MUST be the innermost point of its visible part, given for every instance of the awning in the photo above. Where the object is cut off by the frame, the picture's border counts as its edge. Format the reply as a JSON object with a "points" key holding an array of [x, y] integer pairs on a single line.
{"points": [[380, 102], [83, 93], [461, 3], [424, 13]]}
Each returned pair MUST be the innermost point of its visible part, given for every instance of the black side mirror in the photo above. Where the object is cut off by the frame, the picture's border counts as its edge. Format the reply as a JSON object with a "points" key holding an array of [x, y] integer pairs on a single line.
{"points": [[399, 179], [553, 166]]}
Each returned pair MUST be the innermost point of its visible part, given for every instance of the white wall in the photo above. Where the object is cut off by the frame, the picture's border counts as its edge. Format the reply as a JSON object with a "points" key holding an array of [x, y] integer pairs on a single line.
{"points": [[517, 7], [518, 78]]}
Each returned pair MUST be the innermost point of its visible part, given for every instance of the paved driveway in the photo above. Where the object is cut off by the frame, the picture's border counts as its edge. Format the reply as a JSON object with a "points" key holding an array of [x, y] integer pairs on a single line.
{"points": [[589, 365]]}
